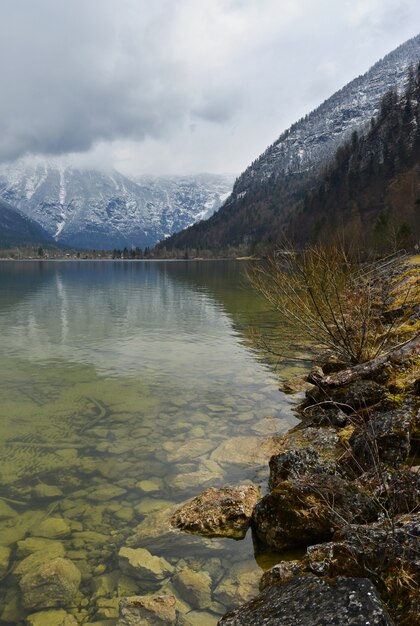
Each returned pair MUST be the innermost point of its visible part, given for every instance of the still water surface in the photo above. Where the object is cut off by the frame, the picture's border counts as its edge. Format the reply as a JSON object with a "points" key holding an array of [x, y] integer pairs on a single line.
{"points": [[128, 387]]}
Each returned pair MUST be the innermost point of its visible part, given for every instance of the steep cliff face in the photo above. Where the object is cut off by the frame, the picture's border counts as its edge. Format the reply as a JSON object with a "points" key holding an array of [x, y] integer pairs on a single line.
{"points": [[94, 209], [263, 195]]}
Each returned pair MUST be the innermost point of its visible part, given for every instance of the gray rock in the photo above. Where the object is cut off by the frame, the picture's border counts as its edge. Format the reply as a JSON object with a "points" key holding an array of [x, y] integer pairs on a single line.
{"points": [[311, 601], [308, 509], [219, 512], [52, 584], [386, 438], [293, 463], [158, 610]]}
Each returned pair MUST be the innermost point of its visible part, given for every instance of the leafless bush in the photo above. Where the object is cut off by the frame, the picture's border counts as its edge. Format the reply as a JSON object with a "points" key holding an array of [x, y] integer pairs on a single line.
{"points": [[331, 299]]}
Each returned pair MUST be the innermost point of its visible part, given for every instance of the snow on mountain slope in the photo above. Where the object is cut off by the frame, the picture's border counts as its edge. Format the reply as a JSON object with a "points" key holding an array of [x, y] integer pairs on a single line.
{"points": [[313, 139], [17, 229], [94, 209]]}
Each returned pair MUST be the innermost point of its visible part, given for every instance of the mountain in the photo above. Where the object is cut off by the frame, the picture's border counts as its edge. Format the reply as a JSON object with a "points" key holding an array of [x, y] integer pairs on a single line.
{"points": [[370, 192], [93, 209], [264, 195], [16, 229]]}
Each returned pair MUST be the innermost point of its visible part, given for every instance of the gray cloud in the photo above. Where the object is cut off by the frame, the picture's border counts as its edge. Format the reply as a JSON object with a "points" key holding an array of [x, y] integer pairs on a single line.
{"points": [[179, 85]]}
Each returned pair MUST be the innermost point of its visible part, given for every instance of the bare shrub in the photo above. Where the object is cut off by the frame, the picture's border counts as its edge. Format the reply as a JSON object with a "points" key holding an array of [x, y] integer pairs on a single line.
{"points": [[332, 299]]}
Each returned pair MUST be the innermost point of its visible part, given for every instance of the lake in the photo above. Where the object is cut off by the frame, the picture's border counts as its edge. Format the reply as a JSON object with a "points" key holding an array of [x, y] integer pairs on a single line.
{"points": [[125, 386]]}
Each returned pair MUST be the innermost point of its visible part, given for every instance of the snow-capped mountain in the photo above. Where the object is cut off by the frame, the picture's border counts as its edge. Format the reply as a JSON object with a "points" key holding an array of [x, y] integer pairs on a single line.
{"points": [[311, 140], [18, 229], [95, 209]]}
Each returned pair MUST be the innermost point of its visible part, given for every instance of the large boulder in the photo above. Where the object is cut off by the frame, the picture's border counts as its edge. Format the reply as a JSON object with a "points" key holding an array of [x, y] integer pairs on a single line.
{"points": [[307, 600], [385, 550], [308, 509], [218, 512], [385, 438], [158, 610], [293, 463], [51, 584], [355, 396]]}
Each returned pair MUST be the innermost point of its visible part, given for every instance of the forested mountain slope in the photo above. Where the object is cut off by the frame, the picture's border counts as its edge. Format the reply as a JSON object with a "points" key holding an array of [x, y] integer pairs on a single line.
{"points": [[370, 193], [263, 197]]}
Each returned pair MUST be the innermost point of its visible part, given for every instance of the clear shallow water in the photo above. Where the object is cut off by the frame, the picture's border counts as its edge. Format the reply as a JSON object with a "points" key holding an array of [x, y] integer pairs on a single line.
{"points": [[122, 384]]}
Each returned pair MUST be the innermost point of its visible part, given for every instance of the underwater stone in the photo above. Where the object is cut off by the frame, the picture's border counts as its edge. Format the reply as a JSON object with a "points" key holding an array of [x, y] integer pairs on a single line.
{"points": [[36, 544], [191, 449], [201, 478], [194, 587], [47, 491], [127, 586], [245, 450], [12, 611], [153, 484], [106, 492], [4, 560], [239, 584], [105, 585], [51, 618], [51, 550], [140, 563], [150, 505], [52, 528], [6, 511], [200, 618], [158, 610], [52, 584]]}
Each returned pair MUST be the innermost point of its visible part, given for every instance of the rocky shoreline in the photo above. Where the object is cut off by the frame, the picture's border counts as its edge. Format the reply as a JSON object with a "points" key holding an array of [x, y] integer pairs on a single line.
{"points": [[344, 485]]}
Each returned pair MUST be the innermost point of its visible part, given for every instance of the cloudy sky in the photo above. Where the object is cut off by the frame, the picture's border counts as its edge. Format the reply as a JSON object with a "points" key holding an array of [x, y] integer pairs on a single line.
{"points": [[176, 86]]}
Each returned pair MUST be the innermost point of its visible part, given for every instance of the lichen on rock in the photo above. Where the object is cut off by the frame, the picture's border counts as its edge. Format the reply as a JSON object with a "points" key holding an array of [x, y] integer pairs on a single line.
{"points": [[222, 512]]}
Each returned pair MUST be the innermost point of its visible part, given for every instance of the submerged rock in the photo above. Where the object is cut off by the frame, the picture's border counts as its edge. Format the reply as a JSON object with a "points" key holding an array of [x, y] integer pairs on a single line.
{"points": [[219, 512], [51, 550], [307, 600], [6, 511], [158, 610], [194, 587], [239, 584], [47, 491], [52, 528], [245, 450], [51, 584], [140, 563], [106, 492], [192, 449], [30, 545], [4, 560], [51, 618]]}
